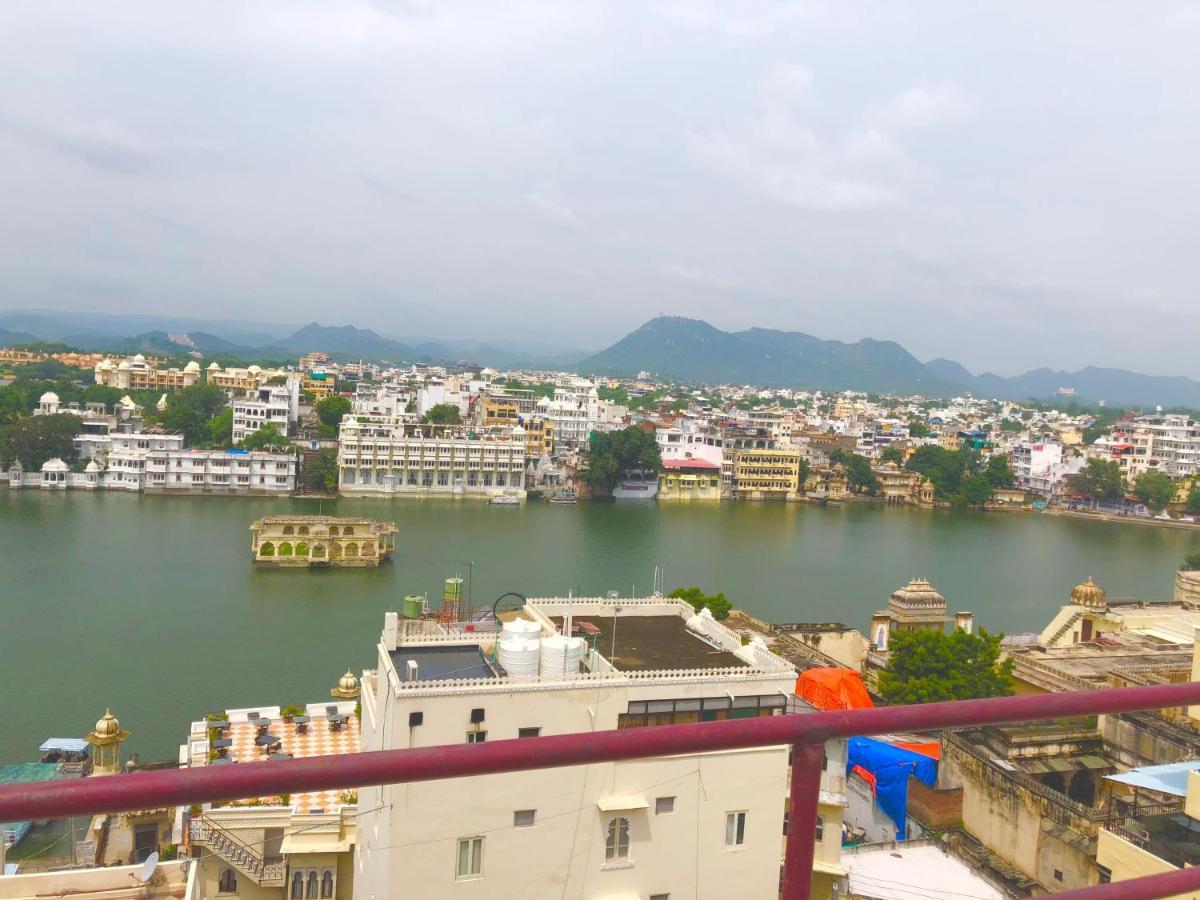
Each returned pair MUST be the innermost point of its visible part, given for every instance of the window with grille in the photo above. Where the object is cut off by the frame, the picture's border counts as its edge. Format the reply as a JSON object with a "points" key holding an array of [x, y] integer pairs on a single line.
{"points": [[616, 842]]}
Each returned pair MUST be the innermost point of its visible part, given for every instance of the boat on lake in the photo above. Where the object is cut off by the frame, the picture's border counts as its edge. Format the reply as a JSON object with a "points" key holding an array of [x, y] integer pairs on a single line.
{"points": [[637, 485], [504, 500], [321, 541], [565, 498]]}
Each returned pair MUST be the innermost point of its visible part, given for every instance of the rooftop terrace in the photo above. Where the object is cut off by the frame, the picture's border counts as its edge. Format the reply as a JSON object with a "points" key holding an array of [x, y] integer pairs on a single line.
{"points": [[645, 643]]}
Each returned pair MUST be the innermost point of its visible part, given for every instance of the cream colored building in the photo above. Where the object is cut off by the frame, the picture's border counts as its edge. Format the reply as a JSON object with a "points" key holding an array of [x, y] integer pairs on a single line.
{"points": [[173, 880], [766, 474], [697, 825], [136, 373], [297, 846], [233, 380], [341, 542]]}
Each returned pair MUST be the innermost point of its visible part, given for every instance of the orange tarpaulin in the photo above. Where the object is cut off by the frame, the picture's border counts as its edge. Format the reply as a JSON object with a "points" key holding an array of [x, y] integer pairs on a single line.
{"points": [[932, 750], [833, 688]]}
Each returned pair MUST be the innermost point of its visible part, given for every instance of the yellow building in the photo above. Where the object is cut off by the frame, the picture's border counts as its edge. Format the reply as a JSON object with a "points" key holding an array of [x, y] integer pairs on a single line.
{"points": [[539, 438], [689, 479], [499, 411], [765, 474], [240, 380], [319, 384], [322, 541], [136, 373]]}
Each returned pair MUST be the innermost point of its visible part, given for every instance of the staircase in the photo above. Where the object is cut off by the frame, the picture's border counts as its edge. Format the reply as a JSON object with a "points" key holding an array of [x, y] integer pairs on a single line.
{"points": [[246, 858], [1066, 626]]}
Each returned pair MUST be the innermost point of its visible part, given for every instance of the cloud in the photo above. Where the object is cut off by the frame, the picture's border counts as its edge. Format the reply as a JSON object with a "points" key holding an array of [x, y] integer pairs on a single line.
{"points": [[547, 201], [925, 106], [693, 275]]}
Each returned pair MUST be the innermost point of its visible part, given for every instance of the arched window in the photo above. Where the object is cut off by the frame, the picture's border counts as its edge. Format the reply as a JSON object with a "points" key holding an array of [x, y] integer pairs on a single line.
{"points": [[303, 530], [312, 886], [267, 549], [302, 548], [351, 549], [288, 529], [616, 844], [326, 884], [227, 882], [285, 549], [1082, 788], [348, 530], [318, 551], [297, 886], [368, 549], [333, 530], [335, 551]]}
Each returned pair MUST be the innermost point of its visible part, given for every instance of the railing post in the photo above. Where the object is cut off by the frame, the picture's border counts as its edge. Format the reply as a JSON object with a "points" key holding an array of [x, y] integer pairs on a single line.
{"points": [[802, 821]]}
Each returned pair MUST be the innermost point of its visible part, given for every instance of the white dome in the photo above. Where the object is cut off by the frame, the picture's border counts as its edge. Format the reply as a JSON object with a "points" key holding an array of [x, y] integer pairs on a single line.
{"points": [[123, 364], [93, 467], [137, 357], [193, 366], [49, 397], [214, 367], [55, 465], [254, 369]]}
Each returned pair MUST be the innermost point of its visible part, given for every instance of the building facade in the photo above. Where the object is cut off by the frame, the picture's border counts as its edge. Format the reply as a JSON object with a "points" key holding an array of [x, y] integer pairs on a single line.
{"points": [[136, 373]]}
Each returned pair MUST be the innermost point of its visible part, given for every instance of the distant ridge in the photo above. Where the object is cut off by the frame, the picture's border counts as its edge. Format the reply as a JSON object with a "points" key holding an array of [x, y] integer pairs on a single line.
{"points": [[693, 350]]}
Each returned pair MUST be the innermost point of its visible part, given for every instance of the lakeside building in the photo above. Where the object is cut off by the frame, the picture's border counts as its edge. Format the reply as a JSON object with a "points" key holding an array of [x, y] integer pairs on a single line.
{"points": [[383, 455], [136, 373], [1167, 443], [766, 474], [234, 381], [285, 846], [268, 404], [602, 830], [689, 479], [574, 411], [322, 541]]}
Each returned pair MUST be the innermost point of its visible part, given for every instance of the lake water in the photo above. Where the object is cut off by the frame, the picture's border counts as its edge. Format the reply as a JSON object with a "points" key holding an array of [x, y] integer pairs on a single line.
{"points": [[151, 605]]}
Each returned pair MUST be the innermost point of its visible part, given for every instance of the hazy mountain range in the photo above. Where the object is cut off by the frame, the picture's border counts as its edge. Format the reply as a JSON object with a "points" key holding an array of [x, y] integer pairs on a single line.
{"points": [[695, 351], [669, 347]]}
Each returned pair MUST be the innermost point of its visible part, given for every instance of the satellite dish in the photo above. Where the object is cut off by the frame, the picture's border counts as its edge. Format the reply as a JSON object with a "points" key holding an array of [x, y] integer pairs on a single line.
{"points": [[148, 868]]}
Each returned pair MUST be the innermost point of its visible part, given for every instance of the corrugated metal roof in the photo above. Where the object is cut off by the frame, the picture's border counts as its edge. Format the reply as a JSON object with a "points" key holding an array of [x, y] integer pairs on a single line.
{"points": [[1167, 779]]}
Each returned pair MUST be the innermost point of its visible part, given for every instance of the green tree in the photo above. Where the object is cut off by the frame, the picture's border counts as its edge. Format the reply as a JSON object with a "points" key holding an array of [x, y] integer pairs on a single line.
{"points": [[321, 472], [220, 428], [927, 666], [612, 453], [860, 477], [189, 411], [918, 429], [443, 414], [1193, 497], [998, 472], [892, 455], [1191, 563], [1154, 488], [268, 437], [35, 439], [1100, 479], [330, 410], [976, 490], [716, 603]]}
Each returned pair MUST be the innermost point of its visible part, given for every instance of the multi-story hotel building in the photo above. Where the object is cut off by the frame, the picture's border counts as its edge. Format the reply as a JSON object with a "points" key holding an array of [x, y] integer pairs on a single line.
{"points": [[605, 830], [574, 411], [136, 373], [767, 474], [1169, 443], [382, 455], [274, 404], [236, 381]]}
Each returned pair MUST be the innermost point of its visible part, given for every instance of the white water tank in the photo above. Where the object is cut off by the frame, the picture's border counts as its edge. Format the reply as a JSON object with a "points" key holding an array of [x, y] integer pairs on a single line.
{"points": [[518, 656], [561, 655], [524, 629]]}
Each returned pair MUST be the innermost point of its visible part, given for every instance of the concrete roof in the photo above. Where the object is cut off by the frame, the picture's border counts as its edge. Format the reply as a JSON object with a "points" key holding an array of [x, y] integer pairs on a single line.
{"points": [[908, 870]]}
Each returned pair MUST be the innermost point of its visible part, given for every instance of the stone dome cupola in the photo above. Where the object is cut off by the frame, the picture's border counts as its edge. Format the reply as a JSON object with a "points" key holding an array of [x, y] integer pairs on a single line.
{"points": [[1089, 594]]}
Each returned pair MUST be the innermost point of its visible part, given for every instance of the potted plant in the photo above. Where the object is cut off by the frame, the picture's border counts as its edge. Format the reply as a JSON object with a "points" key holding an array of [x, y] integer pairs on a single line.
{"points": [[290, 711]]}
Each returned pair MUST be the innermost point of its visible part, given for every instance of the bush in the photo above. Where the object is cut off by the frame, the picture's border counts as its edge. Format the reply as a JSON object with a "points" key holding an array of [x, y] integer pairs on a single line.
{"points": [[716, 603]]}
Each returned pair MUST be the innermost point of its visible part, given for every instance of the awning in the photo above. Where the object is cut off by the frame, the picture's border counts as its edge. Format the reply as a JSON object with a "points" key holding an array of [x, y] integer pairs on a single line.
{"points": [[616, 804], [64, 745], [1168, 779]]}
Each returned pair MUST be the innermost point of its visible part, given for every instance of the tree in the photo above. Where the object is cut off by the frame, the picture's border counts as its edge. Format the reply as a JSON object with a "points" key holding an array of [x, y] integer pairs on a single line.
{"points": [[918, 429], [927, 666], [443, 414], [35, 439], [1193, 498], [944, 468], [220, 428], [330, 410], [976, 490], [715, 603], [998, 472], [612, 453], [1191, 563], [268, 437], [860, 477], [321, 473], [892, 455], [1154, 488], [1100, 479], [189, 410]]}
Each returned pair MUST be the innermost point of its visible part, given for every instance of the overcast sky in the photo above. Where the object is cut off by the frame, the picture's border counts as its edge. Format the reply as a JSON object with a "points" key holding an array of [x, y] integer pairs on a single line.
{"points": [[1006, 184]]}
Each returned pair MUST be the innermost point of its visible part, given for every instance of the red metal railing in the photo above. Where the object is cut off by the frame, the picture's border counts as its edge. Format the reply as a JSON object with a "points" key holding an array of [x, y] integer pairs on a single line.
{"points": [[805, 732]]}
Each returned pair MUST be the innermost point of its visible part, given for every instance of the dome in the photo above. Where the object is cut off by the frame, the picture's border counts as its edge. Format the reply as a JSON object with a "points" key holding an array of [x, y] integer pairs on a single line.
{"points": [[123, 365], [193, 366], [348, 682], [1088, 594], [55, 465], [917, 593], [254, 369], [214, 367], [92, 467], [48, 397], [139, 358], [107, 726]]}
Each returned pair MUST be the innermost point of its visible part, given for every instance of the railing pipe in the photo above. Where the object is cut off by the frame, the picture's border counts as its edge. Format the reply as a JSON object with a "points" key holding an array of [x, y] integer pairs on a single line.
{"points": [[1148, 887], [120, 793], [803, 798]]}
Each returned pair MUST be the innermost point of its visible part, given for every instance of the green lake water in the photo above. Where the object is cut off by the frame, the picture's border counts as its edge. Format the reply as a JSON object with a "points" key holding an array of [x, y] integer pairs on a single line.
{"points": [[151, 605]]}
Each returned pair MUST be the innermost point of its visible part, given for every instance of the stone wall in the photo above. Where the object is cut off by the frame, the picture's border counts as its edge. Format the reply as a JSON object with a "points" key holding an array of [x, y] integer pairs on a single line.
{"points": [[937, 810], [1187, 588]]}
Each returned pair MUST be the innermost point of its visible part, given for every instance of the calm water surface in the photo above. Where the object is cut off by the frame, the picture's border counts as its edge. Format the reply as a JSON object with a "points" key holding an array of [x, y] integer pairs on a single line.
{"points": [[150, 605]]}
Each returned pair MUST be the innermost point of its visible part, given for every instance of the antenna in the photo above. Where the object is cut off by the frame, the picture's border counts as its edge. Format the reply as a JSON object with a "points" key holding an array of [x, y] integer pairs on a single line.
{"points": [[148, 867]]}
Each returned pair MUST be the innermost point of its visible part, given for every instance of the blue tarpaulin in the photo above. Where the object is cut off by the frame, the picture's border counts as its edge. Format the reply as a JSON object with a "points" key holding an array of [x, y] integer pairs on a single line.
{"points": [[891, 767]]}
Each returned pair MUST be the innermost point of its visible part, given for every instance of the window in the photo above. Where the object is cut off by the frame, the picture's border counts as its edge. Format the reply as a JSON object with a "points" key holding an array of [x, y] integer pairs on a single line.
{"points": [[312, 886], [227, 882], [735, 829], [1058, 876], [476, 737], [523, 818], [529, 732], [470, 858], [660, 897], [327, 884], [616, 843], [664, 805], [820, 827]]}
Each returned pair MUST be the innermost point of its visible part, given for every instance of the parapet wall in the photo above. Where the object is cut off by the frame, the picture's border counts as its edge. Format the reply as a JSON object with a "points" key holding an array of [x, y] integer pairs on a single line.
{"points": [[1187, 588]]}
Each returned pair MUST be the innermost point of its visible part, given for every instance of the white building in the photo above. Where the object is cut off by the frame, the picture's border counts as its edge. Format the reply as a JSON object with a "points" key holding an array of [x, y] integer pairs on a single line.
{"points": [[1034, 464], [274, 404], [1168, 443], [689, 439], [383, 455], [219, 472], [696, 826], [575, 411]]}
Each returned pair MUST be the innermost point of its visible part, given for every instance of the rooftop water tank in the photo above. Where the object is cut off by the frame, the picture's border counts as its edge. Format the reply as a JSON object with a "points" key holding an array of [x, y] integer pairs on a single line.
{"points": [[519, 656], [520, 628], [414, 606], [561, 655]]}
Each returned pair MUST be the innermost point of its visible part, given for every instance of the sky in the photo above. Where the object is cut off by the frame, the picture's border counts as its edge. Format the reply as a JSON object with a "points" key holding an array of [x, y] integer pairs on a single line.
{"points": [[1008, 185]]}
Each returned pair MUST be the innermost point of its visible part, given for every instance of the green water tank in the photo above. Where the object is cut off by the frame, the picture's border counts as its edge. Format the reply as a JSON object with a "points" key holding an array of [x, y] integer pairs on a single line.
{"points": [[453, 591], [413, 606]]}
